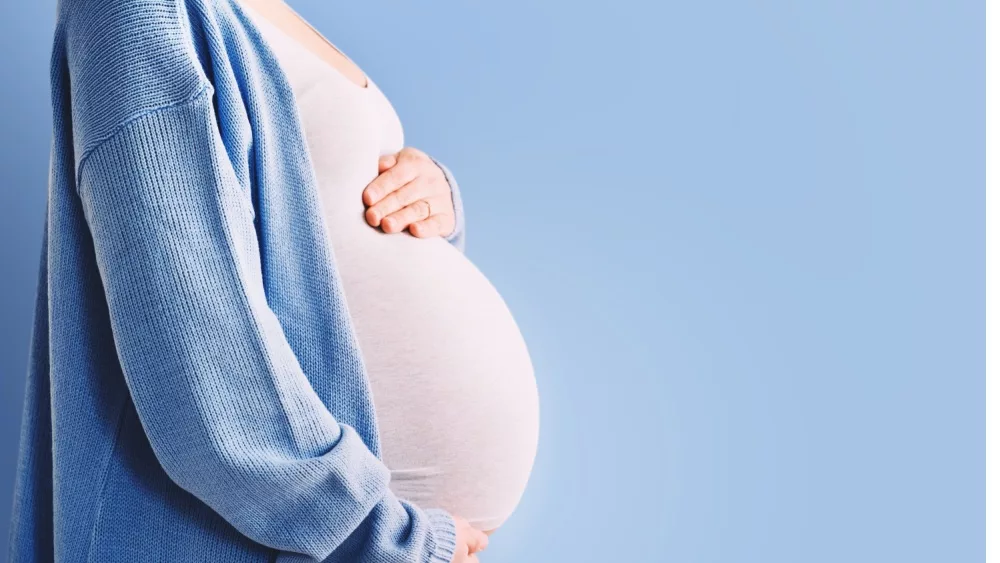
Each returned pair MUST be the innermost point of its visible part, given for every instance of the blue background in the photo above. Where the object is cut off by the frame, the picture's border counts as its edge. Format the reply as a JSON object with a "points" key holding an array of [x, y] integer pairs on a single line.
{"points": [[744, 241]]}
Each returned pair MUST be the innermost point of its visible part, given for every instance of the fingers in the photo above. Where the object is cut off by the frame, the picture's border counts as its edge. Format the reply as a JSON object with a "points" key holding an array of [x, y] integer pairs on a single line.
{"points": [[395, 171], [477, 540], [411, 153], [426, 217], [471, 541], [396, 200], [417, 211], [398, 197], [415, 208], [395, 177], [386, 162], [437, 224], [400, 208]]}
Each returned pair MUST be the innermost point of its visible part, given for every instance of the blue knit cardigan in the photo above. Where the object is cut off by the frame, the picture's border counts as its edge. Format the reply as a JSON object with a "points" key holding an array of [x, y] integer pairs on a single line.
{"points": [[195, 389]]}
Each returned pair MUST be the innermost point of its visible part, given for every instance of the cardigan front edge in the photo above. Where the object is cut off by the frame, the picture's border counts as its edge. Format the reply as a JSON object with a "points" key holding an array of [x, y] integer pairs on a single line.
{"points": [[177, 297]]}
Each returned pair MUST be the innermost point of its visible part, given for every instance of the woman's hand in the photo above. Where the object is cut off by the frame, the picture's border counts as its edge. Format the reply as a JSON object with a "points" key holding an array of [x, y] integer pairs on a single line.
{"points": [[410, 192], [468, 542]]}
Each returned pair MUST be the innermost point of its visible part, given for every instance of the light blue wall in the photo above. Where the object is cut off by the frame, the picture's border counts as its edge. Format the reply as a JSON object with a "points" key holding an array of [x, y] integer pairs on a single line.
{"points": [[744, 241]]}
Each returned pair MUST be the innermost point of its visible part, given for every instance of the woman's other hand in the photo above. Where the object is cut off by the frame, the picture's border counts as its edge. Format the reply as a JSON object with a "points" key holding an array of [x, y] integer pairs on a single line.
{"points": [[410, 192], [468, 541]]}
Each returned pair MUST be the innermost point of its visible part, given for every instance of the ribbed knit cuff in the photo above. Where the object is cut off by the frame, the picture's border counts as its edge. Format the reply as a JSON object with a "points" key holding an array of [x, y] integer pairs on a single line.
{"points": [[444, 535]]}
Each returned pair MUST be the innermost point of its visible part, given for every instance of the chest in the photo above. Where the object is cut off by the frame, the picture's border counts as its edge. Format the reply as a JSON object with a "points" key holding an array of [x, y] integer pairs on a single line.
{"points": [[347, 125]]}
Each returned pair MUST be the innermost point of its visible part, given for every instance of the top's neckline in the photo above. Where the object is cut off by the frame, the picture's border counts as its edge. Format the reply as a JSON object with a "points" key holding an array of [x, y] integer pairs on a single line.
{"points": [[259, 16]]}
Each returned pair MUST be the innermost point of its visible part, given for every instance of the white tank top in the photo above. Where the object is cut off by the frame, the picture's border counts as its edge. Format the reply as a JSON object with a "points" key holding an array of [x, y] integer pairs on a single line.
{"points": [[453, 386]]}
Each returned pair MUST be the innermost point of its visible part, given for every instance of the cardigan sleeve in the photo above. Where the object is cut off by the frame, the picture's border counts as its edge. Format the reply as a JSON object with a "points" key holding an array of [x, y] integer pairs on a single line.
{"points": [[457, 236], [227, 409]]}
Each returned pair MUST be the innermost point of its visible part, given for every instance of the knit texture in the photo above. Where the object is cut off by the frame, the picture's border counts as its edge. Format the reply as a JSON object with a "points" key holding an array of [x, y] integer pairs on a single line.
{"points": [[195, 388]]}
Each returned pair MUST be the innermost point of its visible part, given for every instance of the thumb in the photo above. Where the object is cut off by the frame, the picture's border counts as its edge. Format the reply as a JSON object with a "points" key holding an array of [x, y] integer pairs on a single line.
{"points": [[386, 162], [478, 540]]}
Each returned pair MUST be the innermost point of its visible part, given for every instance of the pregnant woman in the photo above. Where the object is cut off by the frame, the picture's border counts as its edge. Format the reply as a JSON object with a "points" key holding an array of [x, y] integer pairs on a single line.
{"points": [[451, 378], [256, 335]]}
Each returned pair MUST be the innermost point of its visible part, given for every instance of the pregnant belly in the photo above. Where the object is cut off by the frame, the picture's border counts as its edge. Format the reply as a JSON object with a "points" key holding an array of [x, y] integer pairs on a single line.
{"points": [[452, 381]]}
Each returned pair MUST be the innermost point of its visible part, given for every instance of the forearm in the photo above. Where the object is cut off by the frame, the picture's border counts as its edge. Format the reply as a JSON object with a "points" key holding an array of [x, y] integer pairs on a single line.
{"points": [[429, 532], [225, 404]]}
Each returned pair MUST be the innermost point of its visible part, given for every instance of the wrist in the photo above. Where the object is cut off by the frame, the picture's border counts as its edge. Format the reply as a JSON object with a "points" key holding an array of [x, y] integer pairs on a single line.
{"points": [[456, 202]]}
